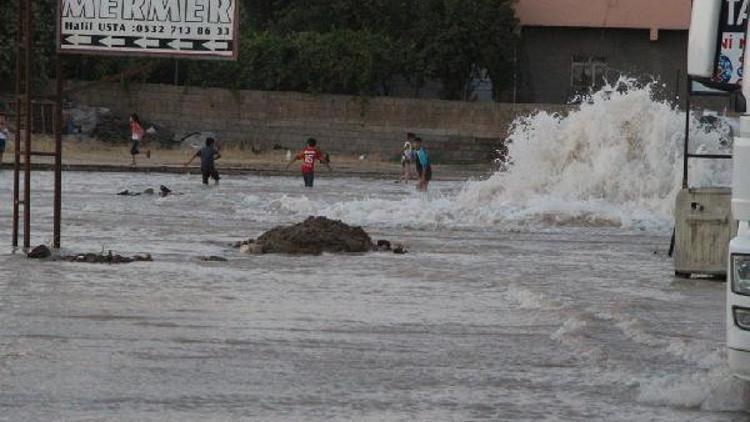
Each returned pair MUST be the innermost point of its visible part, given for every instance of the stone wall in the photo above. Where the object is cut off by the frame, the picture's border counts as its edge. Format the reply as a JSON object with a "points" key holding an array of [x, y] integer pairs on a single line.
{"points": [[453, 131]]}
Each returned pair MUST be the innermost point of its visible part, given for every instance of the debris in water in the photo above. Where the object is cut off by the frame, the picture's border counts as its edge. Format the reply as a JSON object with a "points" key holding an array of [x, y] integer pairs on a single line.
{"points": [[384, 246], [163, 192], [44, 252], [213, 259], [109, 258], [252, 249], [40, 252], [242, 243], [249, 246]]}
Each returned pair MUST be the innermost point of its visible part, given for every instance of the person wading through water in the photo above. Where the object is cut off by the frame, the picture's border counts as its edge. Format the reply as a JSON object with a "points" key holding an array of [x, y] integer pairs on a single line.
{"points": [[208, 155], [423, 166], [309, 155]]}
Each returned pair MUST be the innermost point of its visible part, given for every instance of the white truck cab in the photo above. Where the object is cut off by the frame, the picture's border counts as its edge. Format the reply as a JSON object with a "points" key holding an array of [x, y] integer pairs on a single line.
{"points": [[704, 63], [738, 307], [738, 271]]}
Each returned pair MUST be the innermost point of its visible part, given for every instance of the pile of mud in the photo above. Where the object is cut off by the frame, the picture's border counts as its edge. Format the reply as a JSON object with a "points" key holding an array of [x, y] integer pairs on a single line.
{"points": [[314, 236]]}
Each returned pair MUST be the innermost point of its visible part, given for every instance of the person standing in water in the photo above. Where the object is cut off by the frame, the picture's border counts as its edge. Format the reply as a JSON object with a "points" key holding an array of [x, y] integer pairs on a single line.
{"points": [[136, 136], [424, 169], [309, 155], [4, 135], [208, 155], [407, 158]]}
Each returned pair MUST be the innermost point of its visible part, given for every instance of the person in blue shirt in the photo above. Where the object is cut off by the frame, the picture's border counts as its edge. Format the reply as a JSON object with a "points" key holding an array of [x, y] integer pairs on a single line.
{"points": [[423, 165]]}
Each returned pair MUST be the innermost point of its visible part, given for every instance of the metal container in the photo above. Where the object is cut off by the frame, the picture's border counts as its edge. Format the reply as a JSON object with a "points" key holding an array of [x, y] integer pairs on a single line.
{"points": [[703, 228]]}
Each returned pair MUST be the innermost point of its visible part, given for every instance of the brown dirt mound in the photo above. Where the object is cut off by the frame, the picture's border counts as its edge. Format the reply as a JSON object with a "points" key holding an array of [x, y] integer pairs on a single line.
{"points": [[315, 236]]}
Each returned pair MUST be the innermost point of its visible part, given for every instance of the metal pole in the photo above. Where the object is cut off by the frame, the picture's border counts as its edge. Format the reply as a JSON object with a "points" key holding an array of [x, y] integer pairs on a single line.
{"points": [[515, 73], [27, 146], [58, 151], [19, 105], [686, 148]]}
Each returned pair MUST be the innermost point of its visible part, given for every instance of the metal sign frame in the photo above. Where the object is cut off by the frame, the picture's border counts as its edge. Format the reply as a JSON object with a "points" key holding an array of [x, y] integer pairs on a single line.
{"points": [[23, 146], [23, 151], [687, 155], [152, 50]]}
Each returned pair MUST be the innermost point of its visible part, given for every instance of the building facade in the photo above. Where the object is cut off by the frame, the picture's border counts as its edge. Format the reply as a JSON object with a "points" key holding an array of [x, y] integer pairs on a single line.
{"points": [[569, 47]]}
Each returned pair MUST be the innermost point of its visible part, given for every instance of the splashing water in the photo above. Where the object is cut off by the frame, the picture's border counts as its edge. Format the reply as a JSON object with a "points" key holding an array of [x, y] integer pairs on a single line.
{"points": [[618, 156], [614, 161]]}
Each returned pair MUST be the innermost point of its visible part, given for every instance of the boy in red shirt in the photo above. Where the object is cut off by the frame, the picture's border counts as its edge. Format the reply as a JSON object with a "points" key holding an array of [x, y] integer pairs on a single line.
{"points": [[308, 156]]}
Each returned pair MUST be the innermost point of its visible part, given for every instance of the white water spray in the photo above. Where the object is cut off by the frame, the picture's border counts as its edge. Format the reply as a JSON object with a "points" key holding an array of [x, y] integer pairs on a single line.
{"points": [[614, 161], [619, 156]]}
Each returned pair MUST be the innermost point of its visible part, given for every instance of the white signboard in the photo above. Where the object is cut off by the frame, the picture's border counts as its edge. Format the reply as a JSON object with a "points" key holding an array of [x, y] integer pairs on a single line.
{"points": [[169, 28]]}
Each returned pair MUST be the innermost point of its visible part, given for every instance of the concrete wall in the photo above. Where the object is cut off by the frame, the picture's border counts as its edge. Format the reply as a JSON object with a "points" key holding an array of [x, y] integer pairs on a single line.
{"points": [[546, 55], [454, 131]]}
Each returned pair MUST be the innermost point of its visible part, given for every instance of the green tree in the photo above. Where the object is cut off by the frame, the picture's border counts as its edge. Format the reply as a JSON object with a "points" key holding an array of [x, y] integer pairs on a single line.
{"points": [[448, 40], [43, 31], [340, 62], [461, 38]]}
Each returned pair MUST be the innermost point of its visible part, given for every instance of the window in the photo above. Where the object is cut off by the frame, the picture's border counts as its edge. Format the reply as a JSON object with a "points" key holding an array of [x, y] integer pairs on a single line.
{"points": [[587, 73]]}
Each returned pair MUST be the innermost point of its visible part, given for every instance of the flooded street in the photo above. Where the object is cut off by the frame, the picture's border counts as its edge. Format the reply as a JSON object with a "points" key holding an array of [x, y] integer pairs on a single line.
{"points": [[563, 151], [491, 316]]}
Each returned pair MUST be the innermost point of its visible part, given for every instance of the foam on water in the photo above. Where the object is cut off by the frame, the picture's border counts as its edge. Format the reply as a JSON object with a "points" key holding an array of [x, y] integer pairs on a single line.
{"points": [[714, 390], [528, 299], [614, 161], [703, 382]]}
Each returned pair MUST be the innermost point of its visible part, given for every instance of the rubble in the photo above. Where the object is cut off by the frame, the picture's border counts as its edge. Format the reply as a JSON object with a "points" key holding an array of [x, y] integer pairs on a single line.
{"points": [[44, 252]]}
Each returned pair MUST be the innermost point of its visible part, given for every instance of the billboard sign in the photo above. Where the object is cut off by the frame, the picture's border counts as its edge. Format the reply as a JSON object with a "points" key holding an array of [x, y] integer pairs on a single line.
{"points": [[167, 28], [731, 48]]}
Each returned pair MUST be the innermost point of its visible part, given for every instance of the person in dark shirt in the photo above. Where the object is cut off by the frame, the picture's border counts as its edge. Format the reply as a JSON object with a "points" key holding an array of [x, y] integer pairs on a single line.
{"points": [[208, 155]]}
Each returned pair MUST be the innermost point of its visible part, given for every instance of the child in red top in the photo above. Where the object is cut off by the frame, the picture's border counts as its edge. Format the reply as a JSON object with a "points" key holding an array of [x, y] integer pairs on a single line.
{"points": [[308, 156], [136, 136]]}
